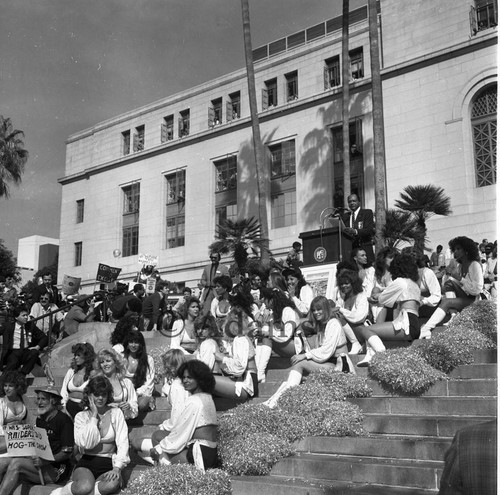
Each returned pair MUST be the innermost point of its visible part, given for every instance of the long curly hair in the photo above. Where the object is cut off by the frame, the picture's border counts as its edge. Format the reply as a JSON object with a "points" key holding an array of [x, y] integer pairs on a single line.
{"points": [[119, 363], [122, 328], [15, 378], [209, 323], [382, 255], [189, 301], [319, 302], [468, 245], [200, 372], [353, 278], [141, 372], [97, 386], [277, 281], [404, 266], [89, 355], [277, 302], [172, 361]]}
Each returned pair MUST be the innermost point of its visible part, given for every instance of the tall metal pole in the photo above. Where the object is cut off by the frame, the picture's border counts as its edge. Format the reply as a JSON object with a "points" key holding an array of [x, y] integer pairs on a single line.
{"points": [[378, 126], [261, 170], [345, 101]]}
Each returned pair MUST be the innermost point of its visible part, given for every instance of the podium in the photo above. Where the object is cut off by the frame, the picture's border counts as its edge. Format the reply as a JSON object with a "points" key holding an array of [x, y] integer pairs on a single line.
{"points": [[325, 246]]}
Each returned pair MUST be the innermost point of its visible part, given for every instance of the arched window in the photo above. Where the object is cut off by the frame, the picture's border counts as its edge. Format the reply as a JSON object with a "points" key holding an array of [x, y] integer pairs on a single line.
{"points": [[484, 132]]}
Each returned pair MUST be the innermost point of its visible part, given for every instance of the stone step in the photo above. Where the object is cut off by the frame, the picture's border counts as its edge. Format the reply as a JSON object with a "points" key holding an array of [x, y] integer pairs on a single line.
{"points": [[428, 406], [278, 485], [410, 424], [475, 371], [357, 469], [399, 447]]}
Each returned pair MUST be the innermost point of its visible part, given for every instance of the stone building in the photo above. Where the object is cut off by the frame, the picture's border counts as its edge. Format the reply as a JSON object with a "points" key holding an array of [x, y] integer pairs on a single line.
{"points": [[158, 179]]}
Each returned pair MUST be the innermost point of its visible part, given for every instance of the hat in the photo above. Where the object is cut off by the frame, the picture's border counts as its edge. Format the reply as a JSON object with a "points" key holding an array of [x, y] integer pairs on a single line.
{"points": [[296, 272], [49, 390]]}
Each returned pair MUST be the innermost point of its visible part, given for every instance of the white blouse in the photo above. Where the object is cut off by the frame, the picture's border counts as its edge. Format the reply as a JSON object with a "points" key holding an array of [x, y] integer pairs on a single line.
{"points": [[236, 364], [303, 302], [88, 436], [289, 322], [429, 283], [177, 396], [329, 341], [199, 411], [358, 312], [206, 352]]}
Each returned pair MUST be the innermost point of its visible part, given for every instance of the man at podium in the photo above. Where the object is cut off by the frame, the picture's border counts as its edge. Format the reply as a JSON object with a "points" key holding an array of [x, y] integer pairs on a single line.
{"points": [[360, 227]]}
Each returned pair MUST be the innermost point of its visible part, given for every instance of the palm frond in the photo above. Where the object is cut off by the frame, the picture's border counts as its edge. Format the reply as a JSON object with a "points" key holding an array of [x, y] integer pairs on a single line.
{"points": [[424, 200]]}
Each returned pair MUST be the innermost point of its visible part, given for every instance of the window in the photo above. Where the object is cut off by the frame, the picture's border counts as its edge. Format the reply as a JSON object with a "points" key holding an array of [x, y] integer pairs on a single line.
{"points": [[233, 107], [167, 129], [356, 63], [131, 204], [282, 157], [78, 253], [332, 72], [484, 133], [355, 161], [215, 113], [270, 94], [483, 15], [226, 189], [184, 123], [80, 210], [139, 138], [126, 142], [283, 184], [176, 201], [292, 86], [226, 174]]}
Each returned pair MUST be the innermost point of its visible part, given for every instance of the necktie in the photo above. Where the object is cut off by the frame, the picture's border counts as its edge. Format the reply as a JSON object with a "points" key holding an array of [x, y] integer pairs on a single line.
{"points": [[352, 219], [213, 271], [23, 338]]}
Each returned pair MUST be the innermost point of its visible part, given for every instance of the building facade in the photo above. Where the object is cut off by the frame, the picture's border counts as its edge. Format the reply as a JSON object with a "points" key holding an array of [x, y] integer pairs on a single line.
{"points": [[157, 180]]}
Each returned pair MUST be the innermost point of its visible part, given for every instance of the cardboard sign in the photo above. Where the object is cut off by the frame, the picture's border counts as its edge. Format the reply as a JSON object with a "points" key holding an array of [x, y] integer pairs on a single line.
{"points": [[148, 259], [27, 441], [71, 285], [150, 285], [107, 274]]}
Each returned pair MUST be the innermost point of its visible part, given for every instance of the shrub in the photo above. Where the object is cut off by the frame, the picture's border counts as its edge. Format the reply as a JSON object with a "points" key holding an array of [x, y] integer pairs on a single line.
{"points": [[248, 419], [340, 385], [156, 353], [179, 479], [453, 347], [321, 413], [480, 316], [403, 372], [253, 454]]}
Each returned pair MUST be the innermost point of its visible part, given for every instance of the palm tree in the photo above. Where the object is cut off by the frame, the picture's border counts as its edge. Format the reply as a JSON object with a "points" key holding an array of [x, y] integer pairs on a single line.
{"points": [[423, 202], [238, 238], [263, 190], [13, 156], [399, 227]]}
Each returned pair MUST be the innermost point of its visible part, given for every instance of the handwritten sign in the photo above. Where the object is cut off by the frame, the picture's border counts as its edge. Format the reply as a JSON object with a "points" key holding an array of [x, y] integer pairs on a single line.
{"points": [[27, 441], [107, 274], [148, 259], [150, 285]]}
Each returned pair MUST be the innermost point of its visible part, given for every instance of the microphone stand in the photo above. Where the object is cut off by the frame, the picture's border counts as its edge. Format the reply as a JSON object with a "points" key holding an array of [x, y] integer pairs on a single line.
{"points": [[336, 212]]}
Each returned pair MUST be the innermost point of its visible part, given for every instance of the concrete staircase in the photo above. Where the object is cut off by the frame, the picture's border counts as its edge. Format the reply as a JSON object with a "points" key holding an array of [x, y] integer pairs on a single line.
{"points": [[402, 452]]}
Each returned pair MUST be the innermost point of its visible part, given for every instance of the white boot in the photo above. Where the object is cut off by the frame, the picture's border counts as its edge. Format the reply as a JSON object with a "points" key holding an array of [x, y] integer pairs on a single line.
{"points": [[452, 315], [96, 489], [450, 295], [63, 490], [373, 344], [349, 333], [294, 379], [262, 356], [436, 318]]}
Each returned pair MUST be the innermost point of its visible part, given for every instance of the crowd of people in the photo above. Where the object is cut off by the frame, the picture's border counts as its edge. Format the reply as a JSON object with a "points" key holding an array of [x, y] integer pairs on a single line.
{"points": [[220, 345]]}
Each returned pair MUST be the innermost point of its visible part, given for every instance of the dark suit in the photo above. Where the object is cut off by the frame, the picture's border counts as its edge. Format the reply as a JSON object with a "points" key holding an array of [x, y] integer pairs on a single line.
{"points": [[207, 277], [471, 462], [42, 289], [22, 358], [365, 225]]}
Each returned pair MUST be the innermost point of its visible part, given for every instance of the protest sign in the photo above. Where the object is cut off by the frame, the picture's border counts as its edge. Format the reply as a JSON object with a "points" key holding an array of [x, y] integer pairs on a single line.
{"points": [[148, 259], [150, 285], [107, 274], [71, 285], [26, 441]]}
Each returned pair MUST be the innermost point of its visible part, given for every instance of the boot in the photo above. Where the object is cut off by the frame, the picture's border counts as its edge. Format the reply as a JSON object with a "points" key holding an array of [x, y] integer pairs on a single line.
{"points": [[262, 356], [294, 379], [349, 333], [436, 318], [449, 295], [373, 344]]}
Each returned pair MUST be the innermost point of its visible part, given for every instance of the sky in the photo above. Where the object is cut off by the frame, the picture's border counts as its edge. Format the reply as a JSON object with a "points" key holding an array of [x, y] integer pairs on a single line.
{"points": [[66, 65]]}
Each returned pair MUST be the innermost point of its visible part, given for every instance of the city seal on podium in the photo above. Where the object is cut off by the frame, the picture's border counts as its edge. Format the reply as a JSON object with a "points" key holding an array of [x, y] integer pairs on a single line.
{"points": [[320, 254]]}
